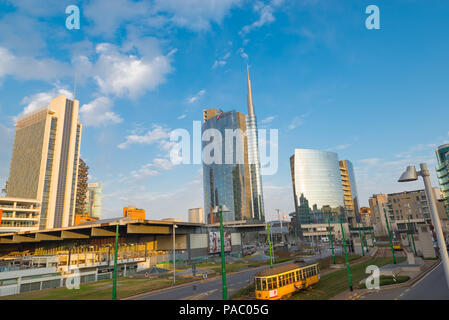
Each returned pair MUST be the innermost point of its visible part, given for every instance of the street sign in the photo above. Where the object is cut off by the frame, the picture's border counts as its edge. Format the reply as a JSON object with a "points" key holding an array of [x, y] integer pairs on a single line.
{"points": [[146, 274], [204, 275]]}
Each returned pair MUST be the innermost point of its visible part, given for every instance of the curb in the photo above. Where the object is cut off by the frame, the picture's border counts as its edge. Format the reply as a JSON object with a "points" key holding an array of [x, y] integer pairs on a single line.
{"points": [[408, 283]]}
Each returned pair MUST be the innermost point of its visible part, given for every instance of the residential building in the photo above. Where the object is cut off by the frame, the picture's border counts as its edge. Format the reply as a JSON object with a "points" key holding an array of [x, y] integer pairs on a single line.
{"points": [[45, 159], [94, 197], [404, 210], [231, 175], [196, 215], [133, 213], [18, 214], [317, 187], [443, 174], [350, 192]]}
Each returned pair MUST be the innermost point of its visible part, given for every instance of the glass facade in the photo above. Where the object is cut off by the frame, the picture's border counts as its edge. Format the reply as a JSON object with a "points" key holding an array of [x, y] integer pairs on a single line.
{"points": [[317, 186], [94, 199], [229, 182], [442, 153], [350, 192]]}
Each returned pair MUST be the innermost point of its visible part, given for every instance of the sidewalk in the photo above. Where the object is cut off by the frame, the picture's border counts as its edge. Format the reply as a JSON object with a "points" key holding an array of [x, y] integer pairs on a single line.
{"points": [[429, 265]]}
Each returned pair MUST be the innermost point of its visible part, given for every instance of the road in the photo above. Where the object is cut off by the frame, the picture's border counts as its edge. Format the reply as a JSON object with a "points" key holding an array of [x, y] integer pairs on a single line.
{"points": [[211, 289], [432, 287], [206, 290]]}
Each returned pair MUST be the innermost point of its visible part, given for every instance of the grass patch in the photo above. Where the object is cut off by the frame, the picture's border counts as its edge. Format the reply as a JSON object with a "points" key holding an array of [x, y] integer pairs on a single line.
{"points": [[244, 293], [100, 290], [387, 280], [336, 282]]}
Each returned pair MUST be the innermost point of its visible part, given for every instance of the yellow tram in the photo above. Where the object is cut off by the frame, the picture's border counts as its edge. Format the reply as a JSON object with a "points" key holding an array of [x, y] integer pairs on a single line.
{"points": [[281, 282], [397, 245]]}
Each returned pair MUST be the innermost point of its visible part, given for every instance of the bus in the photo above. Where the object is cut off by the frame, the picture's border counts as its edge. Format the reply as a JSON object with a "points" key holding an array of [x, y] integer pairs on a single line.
{"points": [[281, 282]]}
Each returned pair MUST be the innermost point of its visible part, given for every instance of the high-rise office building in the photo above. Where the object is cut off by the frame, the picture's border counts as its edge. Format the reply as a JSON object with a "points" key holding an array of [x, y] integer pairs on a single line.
{"points": [[196, 215], [350, 192], [233, 179], [317, 186], [44, 161], [443, 174], [94, 197]]}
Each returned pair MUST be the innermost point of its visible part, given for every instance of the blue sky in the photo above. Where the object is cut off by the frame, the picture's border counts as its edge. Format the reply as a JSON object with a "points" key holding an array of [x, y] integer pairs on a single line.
{"points": [[376, 97]]}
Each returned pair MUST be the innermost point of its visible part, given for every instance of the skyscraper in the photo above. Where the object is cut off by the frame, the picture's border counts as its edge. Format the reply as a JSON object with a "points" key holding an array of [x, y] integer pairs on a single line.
{"points": [[233, 179], [45, 159], [317, 186], [253, 157], [443, 174], [94, 199], [350, 192]]}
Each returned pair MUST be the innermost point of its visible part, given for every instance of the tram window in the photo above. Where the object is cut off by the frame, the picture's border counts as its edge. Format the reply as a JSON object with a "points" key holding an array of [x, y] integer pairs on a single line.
{"points": [[291, 277], [274, 281], [258, 287], [264, 284], [283, 280], [270, 286]]}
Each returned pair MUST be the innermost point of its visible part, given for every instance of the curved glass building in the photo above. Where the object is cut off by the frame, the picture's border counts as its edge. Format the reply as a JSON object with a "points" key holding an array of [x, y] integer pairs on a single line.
{"points": [[317, 186]]}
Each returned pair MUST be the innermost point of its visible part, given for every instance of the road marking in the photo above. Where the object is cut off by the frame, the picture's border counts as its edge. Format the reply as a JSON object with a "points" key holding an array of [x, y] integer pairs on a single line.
{"points": [[426, 275]]}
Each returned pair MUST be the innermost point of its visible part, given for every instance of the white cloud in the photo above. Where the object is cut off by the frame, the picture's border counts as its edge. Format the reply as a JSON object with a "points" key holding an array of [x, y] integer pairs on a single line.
{"points": [[196, 15], [268, 119], [196, 97], [266, 16], [144, 172], [128, 75], [182, 117], [107, 16], [29, 68], [42, 99], [97, 113], [243, 54], [296, 122], [157, 135], [219, 63], [163, 164]]}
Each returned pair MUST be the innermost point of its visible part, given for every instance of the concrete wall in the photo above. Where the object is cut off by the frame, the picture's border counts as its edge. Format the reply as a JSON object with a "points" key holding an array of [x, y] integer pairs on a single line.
{"points": [[166, 242]]}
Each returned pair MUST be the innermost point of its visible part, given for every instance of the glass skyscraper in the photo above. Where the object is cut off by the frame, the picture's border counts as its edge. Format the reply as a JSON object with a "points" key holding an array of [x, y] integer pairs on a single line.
{"points": [[317, 186], [235, 184], [443, 173]]}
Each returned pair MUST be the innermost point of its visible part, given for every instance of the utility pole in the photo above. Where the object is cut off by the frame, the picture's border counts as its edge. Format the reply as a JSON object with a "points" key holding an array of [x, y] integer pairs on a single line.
{"points": [[174, 253], [411, 234], [331, 240], [346, 257], [114, 281], [280, 221], [223, 264], [269, 245], [361, 240], [391, 241]]}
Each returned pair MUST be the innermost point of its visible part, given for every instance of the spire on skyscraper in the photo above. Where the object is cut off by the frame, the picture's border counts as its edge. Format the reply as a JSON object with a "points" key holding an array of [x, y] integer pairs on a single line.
{"points": [[250, 96]]}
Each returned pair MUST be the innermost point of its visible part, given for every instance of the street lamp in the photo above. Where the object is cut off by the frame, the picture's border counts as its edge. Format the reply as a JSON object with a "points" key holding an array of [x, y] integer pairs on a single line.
{"points": [[174, 254], [411, 174], [220, 210]]}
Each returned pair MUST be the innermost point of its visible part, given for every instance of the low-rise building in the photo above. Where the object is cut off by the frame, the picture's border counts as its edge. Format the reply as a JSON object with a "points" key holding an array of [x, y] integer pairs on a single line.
{"points": [[19, 214], [82, 218], [133, 213]]}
